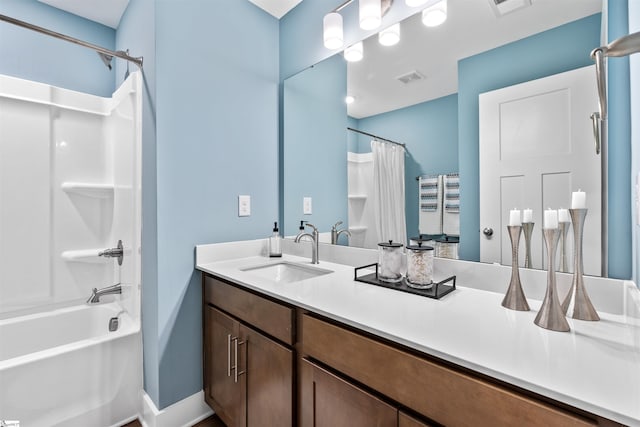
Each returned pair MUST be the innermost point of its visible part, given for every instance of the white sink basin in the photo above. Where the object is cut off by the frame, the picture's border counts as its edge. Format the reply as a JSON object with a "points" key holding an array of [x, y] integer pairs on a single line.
{"points": [[285, 271]]}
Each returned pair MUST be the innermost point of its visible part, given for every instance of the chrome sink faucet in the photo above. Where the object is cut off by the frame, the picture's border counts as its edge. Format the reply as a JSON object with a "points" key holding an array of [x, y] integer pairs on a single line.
{"points": [[314, 237], [335, 233], [97, 293]]}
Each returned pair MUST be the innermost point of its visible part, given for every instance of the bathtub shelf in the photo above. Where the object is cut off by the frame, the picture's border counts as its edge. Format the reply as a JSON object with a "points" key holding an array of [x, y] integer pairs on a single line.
{"points": [[100, 191], [84, 255]]}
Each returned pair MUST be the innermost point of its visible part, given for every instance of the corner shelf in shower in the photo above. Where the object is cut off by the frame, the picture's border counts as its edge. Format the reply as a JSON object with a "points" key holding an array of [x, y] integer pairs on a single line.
{"points": [[360, 197], [100, 191], [84, 255], [358, 228]]}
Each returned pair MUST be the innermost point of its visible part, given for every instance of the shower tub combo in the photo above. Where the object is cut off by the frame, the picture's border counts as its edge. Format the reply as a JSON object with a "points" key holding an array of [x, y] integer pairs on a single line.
{"points": [[76, 372], [69, 188]]}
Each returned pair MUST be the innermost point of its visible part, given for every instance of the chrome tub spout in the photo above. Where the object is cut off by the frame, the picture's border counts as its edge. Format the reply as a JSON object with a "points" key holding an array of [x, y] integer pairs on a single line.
{"points": [[97, 293]]}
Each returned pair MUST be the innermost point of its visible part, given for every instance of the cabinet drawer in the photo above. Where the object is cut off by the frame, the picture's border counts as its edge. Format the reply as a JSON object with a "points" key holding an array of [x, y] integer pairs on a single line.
{"points": [[439, 392], [273, 318]]}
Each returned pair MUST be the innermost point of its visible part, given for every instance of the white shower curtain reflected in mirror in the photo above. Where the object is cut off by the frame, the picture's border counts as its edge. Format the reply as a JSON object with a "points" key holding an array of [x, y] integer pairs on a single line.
{"points": [[388, 191]]}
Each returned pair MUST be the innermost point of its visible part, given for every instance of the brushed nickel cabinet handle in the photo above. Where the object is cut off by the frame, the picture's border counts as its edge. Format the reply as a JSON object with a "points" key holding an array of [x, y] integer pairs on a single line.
{"points": [[237, 342], [228, 355]]}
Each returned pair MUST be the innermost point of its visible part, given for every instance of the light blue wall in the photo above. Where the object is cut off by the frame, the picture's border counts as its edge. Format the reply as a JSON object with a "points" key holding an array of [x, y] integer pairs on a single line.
{"points": [[315, 145], [554, 51], [620, 247], [634, 60], [136, 32], [353, 139], [430, 132], [217, 138], [33, 56]]}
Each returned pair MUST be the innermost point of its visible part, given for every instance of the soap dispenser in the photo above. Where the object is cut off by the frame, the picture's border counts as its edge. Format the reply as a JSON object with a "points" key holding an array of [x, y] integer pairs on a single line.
{"points": [[275, 250]]}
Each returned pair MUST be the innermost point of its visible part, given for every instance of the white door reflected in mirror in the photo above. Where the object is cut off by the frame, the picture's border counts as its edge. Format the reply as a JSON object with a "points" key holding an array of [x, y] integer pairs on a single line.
{"points": [[536, 149]]}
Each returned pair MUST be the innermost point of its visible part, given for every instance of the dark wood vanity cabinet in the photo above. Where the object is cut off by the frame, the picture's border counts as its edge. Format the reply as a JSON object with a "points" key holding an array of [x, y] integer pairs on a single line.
{"points": [[344, 376], [248, 375]]}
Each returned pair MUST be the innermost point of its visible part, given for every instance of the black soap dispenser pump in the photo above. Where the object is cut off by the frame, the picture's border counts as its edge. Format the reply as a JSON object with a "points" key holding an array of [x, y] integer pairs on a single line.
{"points": [[275, 248]]}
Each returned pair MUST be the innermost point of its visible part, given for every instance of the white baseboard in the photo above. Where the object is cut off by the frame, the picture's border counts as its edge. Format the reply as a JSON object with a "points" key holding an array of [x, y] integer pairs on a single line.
{"points": [[185, 413]]}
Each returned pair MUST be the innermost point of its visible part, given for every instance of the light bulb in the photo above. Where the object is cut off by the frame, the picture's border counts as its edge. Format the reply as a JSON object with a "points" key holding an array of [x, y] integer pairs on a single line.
{"points": [[389, 36], [354, 53], [349, 99], [435, 15], [370, 14], [332, 31]]}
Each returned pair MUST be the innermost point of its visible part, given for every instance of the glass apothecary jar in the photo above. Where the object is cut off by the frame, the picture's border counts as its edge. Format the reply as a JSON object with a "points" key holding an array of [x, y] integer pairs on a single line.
{"points": [[447, 247], [420, 266], [391, 261]]}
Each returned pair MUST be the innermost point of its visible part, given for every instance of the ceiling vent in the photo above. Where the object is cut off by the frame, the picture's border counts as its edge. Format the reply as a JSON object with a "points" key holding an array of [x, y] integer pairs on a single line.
{"points": [[411, 77], [502, 7]]}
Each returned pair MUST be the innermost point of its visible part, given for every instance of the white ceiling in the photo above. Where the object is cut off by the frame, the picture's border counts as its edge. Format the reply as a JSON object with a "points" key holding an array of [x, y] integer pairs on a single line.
{"points": [[109, 12], [471, 27], [106, 12], [277, 8]]}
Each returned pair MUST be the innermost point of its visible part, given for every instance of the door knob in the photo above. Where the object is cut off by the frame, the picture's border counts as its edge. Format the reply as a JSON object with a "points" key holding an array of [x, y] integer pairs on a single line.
{"points": [[488, 232]]}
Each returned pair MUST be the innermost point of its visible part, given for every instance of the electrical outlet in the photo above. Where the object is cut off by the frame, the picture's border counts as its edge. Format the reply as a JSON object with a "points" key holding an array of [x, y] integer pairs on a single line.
{"points": [[306, 205], [244, 205]]}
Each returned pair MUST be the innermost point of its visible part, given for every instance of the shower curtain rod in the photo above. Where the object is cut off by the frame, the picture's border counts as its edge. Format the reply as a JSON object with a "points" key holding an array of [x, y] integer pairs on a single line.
{"points": [[377, 137], [101, 50]]}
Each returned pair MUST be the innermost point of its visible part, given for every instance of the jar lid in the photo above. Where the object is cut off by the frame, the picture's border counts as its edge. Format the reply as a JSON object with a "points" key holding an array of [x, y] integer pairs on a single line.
{"points": [[419, 247], [426, 237], [448, 239], [390, 244]]}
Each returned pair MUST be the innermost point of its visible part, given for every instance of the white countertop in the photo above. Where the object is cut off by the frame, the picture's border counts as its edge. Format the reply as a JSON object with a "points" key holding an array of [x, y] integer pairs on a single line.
{"points": [[594, 367]]}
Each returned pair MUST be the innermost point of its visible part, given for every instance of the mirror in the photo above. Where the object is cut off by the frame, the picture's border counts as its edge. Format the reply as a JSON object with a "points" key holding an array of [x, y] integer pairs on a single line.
{"points": [[436, 115]]}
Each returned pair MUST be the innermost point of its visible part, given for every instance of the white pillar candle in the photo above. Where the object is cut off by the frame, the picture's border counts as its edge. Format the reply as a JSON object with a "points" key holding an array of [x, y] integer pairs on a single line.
{"points": [[578, 200], [550, 218], [514, 217], [527, 215], [563, 215]]}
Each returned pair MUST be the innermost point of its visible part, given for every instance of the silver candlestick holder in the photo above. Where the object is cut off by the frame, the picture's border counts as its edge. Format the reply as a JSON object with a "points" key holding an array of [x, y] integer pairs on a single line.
{"points": [[564, 229], [527, 227], [577, 296], [551, 315], [514, 298]]}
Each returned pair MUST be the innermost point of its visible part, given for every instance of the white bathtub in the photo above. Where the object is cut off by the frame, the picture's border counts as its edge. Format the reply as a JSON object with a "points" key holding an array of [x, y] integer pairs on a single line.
{"points": [[64, 368]]}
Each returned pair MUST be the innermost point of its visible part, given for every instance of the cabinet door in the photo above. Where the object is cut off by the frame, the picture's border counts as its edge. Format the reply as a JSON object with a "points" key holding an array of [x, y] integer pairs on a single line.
{"points": [[330, 401], [268, 380], [405, 420], [222, 392]]}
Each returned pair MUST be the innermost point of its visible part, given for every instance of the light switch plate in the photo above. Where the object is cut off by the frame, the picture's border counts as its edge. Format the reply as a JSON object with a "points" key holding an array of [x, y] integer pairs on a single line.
{"points": [[244, 205], [306, 205]]}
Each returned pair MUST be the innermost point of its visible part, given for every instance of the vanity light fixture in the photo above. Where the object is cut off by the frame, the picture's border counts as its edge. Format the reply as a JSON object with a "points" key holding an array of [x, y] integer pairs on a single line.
{"points": [[389, 36], [370, 14], [435, 14], [349, 99], [332, 31], [354, 53]]}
